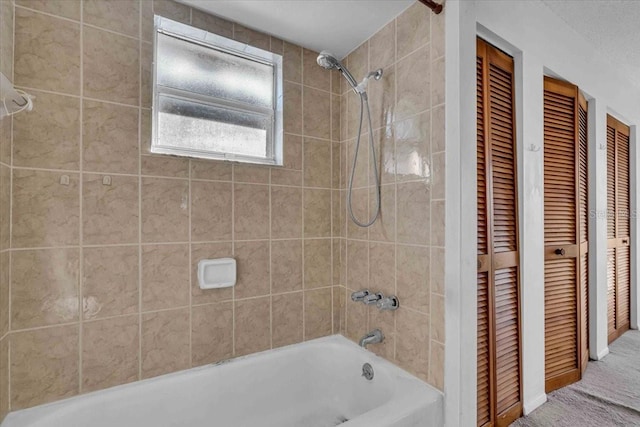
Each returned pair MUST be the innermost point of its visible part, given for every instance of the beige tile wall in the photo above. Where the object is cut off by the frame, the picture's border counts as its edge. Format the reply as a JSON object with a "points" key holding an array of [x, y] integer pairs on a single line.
{"points": [[105, 237], [6, 67], [403, 252]]}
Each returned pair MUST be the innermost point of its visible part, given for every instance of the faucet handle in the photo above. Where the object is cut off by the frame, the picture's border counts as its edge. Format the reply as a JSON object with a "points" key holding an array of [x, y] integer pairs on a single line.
{"points": [[359, 295], [388, 303], [372, 298]]}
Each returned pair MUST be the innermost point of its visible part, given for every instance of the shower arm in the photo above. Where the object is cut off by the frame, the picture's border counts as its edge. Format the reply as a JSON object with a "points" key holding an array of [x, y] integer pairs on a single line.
{"points": [[435, 7]]}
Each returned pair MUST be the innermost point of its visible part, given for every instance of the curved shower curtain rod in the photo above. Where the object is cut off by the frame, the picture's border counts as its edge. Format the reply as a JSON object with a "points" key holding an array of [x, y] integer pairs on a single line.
{"points": [[435, 7]]}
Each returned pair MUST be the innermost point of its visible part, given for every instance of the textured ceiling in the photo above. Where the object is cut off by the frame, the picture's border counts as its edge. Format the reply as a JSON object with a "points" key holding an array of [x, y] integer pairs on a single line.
{"points": [[338, 26], [611, 26]]}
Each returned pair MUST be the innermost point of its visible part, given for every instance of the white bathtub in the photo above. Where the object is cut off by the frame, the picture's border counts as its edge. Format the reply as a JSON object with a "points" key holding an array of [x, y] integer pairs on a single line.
{"points": [[318, 383]]}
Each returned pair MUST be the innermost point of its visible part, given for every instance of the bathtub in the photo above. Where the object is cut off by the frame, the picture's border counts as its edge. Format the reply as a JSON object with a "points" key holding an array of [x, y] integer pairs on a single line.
{"points": [[318, 383]]}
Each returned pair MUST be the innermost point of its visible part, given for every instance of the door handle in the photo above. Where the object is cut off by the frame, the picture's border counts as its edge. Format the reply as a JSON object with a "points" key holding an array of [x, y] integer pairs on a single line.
{"points": [[625, 241], [560, 251]]}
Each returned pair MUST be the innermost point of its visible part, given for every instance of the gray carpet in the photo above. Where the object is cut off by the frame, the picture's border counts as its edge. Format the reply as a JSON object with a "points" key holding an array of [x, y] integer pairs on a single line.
{"points": [[608, 395]]}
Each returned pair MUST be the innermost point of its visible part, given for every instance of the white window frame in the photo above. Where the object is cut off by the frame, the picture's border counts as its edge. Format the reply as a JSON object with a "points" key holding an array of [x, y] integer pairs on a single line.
{"points": [[275, 132]]}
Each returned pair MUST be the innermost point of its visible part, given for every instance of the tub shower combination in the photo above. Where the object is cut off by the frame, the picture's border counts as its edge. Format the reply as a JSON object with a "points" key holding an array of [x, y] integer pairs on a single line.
{"points": [[325, 382], [320, 383]]}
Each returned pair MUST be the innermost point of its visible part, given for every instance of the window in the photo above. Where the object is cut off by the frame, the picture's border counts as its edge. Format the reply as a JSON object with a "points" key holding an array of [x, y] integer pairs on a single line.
{"points": [[215, 98]]}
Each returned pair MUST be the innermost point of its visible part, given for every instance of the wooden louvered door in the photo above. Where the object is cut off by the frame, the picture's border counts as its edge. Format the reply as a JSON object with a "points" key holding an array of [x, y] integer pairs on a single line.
{"points": [[565, 232], [499, 393], [618, 229], [583, 230]]}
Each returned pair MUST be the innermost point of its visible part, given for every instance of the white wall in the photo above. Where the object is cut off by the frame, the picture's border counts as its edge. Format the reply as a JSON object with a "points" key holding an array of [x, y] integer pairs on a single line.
{"points": [[541, 43]]}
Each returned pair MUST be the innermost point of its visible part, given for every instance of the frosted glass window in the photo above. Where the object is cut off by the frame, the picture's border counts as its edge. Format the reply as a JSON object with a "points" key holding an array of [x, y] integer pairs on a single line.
{"points": [[214, 97]]}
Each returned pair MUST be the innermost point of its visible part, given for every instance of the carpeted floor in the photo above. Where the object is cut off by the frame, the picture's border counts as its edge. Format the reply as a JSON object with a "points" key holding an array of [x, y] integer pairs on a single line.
{"points": [[608, 395]]}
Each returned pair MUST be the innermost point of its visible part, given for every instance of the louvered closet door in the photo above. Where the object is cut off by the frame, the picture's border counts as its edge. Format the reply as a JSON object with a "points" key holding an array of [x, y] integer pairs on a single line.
{"points": [[565, 233], [583, 210], [499, 359], [618, 228]]}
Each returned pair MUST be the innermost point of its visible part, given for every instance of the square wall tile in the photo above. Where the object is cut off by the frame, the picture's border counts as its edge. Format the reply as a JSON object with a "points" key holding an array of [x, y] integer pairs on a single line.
{"points": [[6, 42], [165, 342], [436, 365], [110, 211], [317, 213], [5, 140], [44, 366], [110, 352], [317, 313], [292, 108], [211, 170], [110, 281], [165, 210], [287, 318], [165, 276], [66, 9], [5, 207], [357, 265], [111, 67], [382, 259], [49, 136], [33, 304], [292, 151], [121, 16], [414, 213], [292, 63], [413, 147], [172, 10], [252, 325], [211, 23], [317, 163], [317, 263], [286, 212], [412, 345], [47, 52], [4, 377], [211, 333], [413, 87], [253, 264], [110, 138], [413, 29], [211, 211], [46, 209], [412, 272], [4, 293], [251, 37], [383, 46], [286, 266], [168, 166], [317, 113], [314, 75], [251, 218]]}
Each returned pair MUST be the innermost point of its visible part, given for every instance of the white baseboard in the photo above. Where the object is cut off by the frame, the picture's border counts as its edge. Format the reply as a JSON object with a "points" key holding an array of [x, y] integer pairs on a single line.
{"points": [[533, 404], [603, 353]]}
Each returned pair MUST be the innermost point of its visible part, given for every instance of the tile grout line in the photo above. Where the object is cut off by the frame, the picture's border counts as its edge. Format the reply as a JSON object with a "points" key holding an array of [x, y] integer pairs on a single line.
{"points": [[10, 320], [302, 139], [140, 143], [80, 286]]}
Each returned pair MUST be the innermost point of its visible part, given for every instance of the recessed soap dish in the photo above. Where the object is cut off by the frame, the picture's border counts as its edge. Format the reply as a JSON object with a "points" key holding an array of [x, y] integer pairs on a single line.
{"points": [[216, 273]]}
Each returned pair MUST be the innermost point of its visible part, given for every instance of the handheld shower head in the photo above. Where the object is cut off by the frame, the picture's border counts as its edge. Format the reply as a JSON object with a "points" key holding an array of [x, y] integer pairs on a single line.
{"points": [[328, 61]]}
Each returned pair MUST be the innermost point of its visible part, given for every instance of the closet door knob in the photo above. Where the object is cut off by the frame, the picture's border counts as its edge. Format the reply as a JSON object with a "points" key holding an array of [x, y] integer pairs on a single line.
{"points": [[560, 251]]}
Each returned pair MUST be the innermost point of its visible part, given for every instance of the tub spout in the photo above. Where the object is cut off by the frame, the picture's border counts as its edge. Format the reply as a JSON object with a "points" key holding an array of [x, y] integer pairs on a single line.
{"points": [[374, 337]]}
